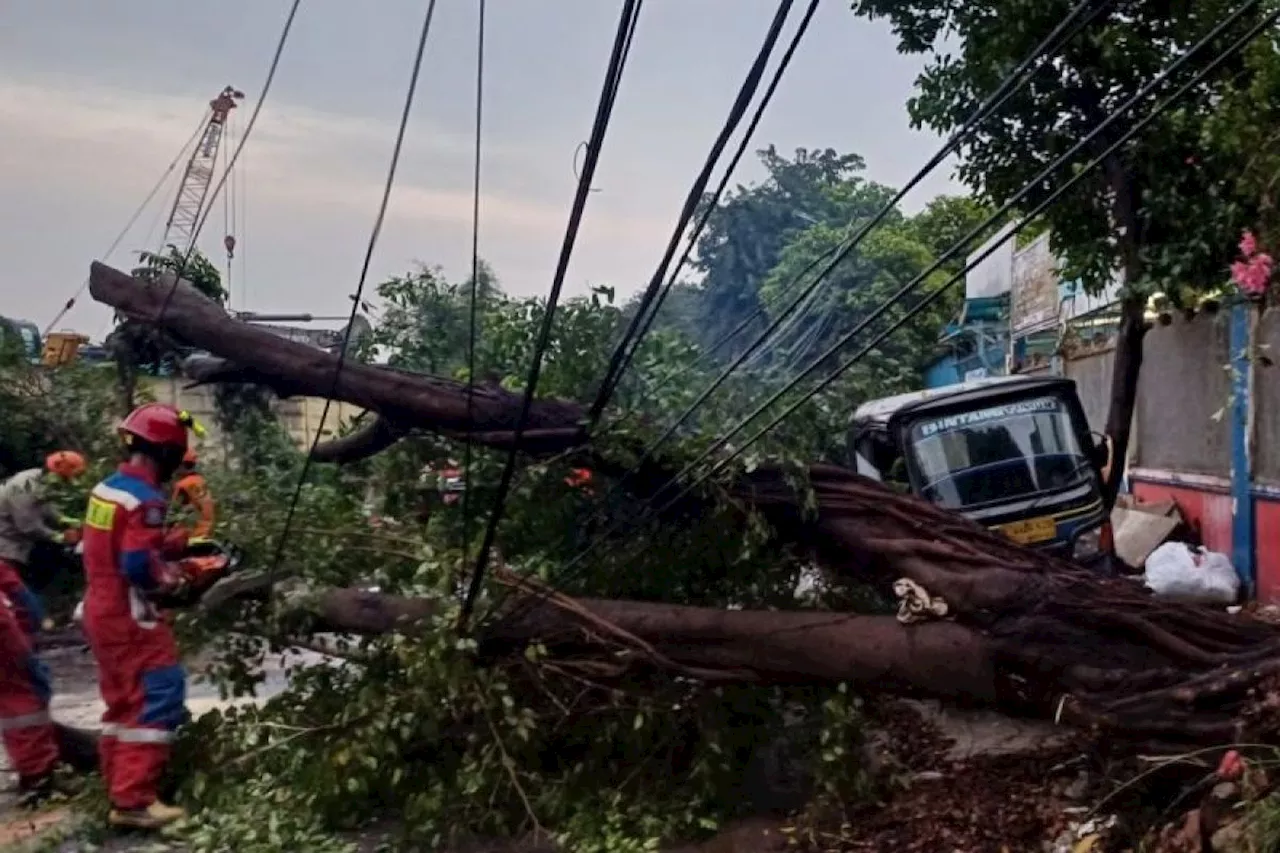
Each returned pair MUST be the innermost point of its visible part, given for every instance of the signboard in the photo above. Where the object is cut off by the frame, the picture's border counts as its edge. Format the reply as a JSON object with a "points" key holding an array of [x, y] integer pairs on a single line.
{"points": [[993, 275], [1034, 298], [1076, 303], [995, 413]]}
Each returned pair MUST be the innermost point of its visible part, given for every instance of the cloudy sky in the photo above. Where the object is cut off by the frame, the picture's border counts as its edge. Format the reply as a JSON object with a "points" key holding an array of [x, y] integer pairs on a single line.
{"points": [[97, 98]]}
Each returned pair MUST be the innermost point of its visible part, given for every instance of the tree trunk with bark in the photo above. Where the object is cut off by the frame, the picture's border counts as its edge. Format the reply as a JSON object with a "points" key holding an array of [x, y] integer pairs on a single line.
{"points": [[1130, 337], [981, 619]]}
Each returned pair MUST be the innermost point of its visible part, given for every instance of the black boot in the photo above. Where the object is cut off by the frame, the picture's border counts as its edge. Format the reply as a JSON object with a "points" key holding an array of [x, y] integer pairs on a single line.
{"points": [[35, 791]]}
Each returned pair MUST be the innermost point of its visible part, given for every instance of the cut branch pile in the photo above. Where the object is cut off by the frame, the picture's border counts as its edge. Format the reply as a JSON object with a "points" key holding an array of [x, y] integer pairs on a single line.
{"points": [[1005, 626]]}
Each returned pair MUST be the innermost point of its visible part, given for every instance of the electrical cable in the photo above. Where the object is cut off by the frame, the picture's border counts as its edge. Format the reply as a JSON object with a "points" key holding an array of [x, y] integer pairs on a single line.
{"points": [[656, 292], [604, 110], [468, 449], [242, 223], [974, 234], [364, 276], [222, 180], [133, 219], [1064, 31], [987, 251], [228, 199], [1268, 20]]}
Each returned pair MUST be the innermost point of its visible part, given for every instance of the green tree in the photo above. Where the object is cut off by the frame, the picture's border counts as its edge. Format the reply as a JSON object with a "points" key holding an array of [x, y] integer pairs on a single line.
{"points": [[749, 230], [893, 254], [417, 728], [1243, 133], [1162, 211]]}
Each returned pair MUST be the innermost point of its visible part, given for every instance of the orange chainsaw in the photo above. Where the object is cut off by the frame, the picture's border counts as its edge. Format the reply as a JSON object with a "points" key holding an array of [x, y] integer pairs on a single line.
{"points": [[204, 562]]}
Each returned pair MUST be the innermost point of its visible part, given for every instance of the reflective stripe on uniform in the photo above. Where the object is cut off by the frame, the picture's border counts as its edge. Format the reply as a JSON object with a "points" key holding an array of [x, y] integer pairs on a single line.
{"points": [[110, 730], [26, 721], [111, 494], [128, 734]]}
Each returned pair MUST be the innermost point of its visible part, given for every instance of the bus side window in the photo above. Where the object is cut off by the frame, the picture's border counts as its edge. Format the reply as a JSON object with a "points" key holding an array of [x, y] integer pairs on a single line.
{"points": [[896, 475]]}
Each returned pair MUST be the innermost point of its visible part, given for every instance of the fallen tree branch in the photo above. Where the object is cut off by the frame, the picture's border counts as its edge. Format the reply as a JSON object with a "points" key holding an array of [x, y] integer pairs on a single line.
{"points": [[399, 396]]}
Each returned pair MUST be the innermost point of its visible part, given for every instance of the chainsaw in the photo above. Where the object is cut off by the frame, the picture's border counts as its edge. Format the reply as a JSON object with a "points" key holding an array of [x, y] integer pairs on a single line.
{"points": [[203, 563]]}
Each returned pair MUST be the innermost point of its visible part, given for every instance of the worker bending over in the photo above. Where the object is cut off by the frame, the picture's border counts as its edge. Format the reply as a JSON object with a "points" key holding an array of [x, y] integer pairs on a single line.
{"points": [[191, 491], [26, 517], [140, 675]]}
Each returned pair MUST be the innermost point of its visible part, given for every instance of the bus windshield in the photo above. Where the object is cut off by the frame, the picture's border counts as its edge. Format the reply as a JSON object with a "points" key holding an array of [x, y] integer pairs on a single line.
{"points": [[999, 453]]}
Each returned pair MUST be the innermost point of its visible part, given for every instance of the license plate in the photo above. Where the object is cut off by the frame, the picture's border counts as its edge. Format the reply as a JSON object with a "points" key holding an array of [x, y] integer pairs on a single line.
{"points": [[1031, 530]]}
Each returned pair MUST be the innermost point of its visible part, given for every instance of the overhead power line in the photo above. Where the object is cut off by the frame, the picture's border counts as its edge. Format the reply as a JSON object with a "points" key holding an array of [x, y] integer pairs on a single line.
{"points": [[604, 110], [1065, 30], [1030, 186], [244, 139], [388, 185], [655, 293], [468, 448], [133, 219], [1068, 28], [1268, 20]]}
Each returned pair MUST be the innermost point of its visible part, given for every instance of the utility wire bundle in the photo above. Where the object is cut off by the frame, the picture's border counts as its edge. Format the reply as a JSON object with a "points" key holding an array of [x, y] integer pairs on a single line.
{"points": [[1031, 186]]}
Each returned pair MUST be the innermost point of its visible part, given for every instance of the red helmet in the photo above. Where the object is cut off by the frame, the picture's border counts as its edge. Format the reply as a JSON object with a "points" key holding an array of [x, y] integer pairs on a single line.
{"points": [[158, 424]]}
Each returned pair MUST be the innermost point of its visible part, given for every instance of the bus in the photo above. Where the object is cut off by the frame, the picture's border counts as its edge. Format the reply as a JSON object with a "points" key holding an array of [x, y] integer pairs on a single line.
{"points": [[1013, 453]]}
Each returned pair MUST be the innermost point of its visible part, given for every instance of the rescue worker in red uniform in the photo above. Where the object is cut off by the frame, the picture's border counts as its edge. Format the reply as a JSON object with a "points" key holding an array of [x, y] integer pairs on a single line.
{"points": [[192, 491], [140, 674], [25, 725]]}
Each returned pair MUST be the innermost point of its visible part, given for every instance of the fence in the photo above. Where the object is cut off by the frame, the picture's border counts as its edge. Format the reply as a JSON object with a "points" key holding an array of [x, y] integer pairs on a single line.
{"points": [[1207, 431], [300, 416]]}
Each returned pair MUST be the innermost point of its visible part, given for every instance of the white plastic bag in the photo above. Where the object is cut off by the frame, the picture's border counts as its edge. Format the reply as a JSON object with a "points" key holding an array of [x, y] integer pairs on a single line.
{"points": [[1177, 571]]}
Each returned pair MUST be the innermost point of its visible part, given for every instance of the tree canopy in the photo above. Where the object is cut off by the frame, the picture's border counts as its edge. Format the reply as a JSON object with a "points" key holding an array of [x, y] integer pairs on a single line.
{"points": [[1164, 210]]}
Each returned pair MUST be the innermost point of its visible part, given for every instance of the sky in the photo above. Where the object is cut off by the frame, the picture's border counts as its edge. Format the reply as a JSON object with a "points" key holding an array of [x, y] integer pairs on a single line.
{"points": [[97, 99]]}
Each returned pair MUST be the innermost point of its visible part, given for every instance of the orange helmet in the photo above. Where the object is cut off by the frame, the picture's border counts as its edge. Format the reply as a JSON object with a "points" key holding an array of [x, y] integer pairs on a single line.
{"points": [[66, 464], [190, 458]]}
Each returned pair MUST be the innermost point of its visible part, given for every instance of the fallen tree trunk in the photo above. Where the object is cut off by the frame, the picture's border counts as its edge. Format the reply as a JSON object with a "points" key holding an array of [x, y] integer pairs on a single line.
{"points": [[877, 652], [1010, 665], [401, 397], [982, 618]]}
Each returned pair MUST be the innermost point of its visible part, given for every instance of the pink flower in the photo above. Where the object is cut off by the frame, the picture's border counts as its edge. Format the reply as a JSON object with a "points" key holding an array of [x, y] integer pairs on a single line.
{"points": [[1248, 244], [1254, 275], [1231, 767]]}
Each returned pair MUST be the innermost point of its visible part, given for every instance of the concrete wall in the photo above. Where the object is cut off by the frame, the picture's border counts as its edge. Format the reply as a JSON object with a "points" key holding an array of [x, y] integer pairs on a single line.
{"points": [[1182, 435], [1093, 384], [1183, 398], [1266, 385], [1184, 384], [300, 416]]}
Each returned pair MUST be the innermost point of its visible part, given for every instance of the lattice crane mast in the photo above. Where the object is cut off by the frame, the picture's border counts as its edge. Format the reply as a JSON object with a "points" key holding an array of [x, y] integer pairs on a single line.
{"points": [[189, 203]]}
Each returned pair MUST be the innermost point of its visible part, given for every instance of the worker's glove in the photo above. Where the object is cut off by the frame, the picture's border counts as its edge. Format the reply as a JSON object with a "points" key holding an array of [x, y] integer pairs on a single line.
{"points": [[68, 537], [171, 589]]}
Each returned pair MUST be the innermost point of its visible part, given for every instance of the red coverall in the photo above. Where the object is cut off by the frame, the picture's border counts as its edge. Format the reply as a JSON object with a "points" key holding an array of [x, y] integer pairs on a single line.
{"points": [[142, 681], [25, 690]]}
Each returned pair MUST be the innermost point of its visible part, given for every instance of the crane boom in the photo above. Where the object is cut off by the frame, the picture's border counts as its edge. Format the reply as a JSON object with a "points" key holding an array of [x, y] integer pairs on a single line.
{"points": [[192, 192]]}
